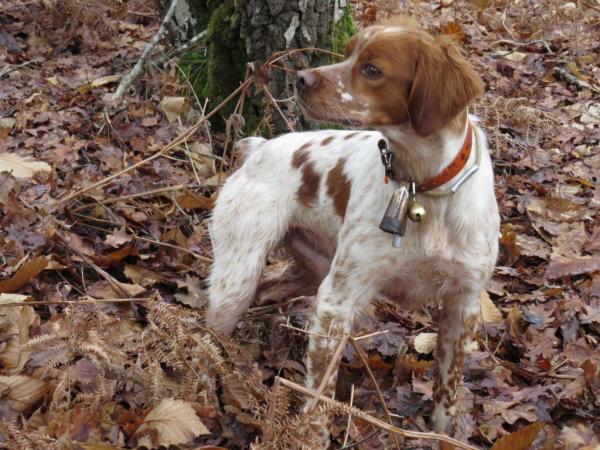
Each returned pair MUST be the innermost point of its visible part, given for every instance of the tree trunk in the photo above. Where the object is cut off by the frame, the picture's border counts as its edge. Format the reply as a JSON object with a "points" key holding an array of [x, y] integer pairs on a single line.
{"points": [[242, 31]]}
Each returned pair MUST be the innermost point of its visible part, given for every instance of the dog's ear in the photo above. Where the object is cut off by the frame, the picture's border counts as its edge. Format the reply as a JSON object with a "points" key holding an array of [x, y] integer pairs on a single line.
{"points": [[443, 85]]}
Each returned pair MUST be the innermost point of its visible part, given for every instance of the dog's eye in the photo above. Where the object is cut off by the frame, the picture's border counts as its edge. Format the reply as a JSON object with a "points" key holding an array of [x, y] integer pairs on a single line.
{"points": [[371, 71]]}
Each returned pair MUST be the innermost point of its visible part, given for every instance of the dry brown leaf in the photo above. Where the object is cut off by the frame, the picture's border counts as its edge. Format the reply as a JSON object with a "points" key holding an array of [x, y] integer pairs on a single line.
{"points": [[105, 80], [204, 160], [519, 440], [190, 200], [24, 275], [556, 209], [22, 166], [489, 311], [572, 266], [19, 318], [21, 392], [171, 422], [235, 392], [174, 107], [142, 276], [425, 342]]}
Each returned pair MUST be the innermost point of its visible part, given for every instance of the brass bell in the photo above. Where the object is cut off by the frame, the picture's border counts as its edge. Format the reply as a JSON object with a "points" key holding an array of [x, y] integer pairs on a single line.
{"points": [[416, 211]]}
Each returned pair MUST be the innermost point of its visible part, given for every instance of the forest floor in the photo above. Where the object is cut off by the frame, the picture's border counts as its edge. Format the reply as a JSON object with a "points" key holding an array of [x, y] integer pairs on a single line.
{"points": [[83, 366]]}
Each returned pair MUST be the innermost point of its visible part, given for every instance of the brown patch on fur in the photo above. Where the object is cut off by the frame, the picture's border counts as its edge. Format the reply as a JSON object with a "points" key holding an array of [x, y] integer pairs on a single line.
{"points": [[309, 187], [307, 193], [327, 141], [300, 156], [338, 188], [351, 135]]}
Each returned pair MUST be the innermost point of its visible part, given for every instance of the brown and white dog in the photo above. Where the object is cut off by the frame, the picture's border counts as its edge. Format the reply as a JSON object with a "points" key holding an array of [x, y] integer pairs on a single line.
{"points": [[414, 89]]}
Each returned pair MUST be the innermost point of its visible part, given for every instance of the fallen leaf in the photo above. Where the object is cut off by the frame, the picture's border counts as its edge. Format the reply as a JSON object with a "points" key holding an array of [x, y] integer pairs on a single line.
{"points": [[190, 200], [519, 440], [21, 392], [572, 266], [24, 275], [171, 422], [174, 107], [105, 80], [235, 392], [553, 208], [22, 166], [489, 311], [19, 319]]}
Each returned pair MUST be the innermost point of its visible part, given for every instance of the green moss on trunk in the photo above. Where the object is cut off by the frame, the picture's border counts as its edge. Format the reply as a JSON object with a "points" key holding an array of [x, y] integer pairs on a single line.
{"points": [[219, 70], [342, 31]]}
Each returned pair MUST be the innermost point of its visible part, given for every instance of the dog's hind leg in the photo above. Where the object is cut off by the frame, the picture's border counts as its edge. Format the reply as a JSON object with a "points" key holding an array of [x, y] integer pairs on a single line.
{"points": [[243, 233]]}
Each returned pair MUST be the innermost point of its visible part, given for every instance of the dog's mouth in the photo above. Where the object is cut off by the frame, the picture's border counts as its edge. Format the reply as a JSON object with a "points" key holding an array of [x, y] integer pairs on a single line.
{"points": [[322, 113]]}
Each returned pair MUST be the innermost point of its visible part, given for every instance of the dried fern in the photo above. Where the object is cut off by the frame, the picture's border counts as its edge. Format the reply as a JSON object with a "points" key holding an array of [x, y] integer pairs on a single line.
{"points": [[498, 113]]}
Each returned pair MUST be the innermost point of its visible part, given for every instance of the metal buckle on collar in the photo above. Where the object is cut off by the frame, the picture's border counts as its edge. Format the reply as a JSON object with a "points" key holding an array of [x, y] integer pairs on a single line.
{"points": [[387, 156]]}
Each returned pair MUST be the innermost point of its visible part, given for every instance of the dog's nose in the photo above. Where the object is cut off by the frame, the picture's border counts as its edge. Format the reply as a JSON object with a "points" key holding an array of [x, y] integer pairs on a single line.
{"points": [[305, 79]]}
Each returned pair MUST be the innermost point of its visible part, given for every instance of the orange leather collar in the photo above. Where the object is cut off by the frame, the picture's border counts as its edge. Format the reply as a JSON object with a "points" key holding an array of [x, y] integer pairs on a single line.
{"points": [[452, 169]]}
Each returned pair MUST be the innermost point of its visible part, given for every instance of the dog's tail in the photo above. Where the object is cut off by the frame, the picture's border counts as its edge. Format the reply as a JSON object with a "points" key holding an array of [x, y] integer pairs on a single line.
{"points": [[245, 147]]}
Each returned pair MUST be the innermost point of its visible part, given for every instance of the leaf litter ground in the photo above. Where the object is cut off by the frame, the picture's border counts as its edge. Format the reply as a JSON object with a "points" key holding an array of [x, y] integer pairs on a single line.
{"points": [[81, 366]]}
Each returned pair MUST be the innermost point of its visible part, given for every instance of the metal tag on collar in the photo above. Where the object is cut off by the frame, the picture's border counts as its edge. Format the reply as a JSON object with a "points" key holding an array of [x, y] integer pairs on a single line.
{"points": [[386, 159], [395, 217], [464, 177]]}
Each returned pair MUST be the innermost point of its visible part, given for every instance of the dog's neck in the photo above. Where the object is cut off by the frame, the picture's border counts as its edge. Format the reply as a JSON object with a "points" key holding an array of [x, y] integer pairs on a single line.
{"points": [[418, 159]]}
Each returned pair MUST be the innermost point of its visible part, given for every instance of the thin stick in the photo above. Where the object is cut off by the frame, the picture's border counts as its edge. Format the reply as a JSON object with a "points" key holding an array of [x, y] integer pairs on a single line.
{"points": [[274, 102], [79, 302], [108, 201], [373, 420], [379, 393], [176, 247], [19, 66], [349, 417], [139, 66], [367, 336], [333, 364]]}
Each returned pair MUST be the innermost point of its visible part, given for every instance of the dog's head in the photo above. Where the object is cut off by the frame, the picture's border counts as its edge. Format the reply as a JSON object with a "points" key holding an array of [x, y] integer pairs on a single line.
{"points": [[393, 74]]}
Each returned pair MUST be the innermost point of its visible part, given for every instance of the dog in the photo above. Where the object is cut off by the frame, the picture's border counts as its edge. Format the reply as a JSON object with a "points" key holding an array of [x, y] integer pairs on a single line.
{"points": [[326, 192]]}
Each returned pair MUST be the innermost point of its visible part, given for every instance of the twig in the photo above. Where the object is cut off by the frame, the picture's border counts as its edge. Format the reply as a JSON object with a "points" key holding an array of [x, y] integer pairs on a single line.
{"points": [[184, 48], [374, 380], [333, 364], [349, 418], [19, 66], [139, 66], [525, 44], [107, 201], [277, 108], [373, 420], [370, 335], [78, 302], [176, 247]]}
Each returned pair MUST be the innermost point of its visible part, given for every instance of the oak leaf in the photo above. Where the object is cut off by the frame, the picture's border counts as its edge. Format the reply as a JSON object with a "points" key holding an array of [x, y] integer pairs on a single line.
{"points": [[171, 422]]}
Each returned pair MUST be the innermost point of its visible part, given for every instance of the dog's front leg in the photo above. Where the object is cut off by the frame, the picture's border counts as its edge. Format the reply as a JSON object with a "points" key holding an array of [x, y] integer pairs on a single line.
{"points": [[457, 324], [327, 329], [344, 292]]}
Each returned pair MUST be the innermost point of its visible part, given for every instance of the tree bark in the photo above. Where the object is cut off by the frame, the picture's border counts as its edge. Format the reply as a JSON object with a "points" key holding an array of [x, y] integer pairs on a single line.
{"points": [[242, 31]]}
